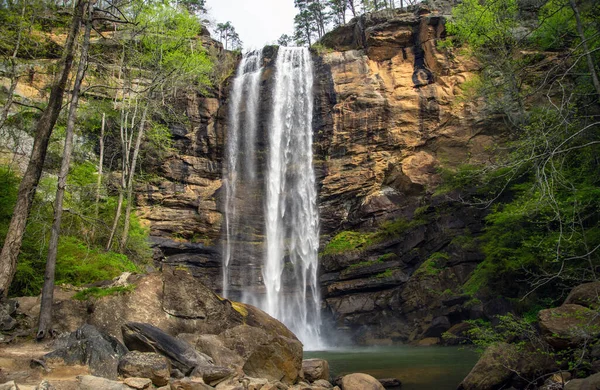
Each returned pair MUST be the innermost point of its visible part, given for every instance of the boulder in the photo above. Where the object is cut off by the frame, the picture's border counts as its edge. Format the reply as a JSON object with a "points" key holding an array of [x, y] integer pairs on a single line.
{"points": [[89, 382], [438, 326], [91, 347], [189, 384], [147, 338], [7, 311], [213, 346], [457, 334], [323, 383], [145, 365], [45, 385], [9, 386], [315, 369], [212, 374], [568, 325], [266, 355], [587, 294], [360, 382], [492, 370], [138, 383], [428, 341], [589, 383]]}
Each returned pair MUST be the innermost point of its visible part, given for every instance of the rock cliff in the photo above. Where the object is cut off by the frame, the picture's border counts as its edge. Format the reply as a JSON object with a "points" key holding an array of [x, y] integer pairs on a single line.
{"points": [[388, 120]]}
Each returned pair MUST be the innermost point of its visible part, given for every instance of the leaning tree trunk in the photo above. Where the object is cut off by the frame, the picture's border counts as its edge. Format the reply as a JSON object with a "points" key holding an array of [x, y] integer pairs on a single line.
{"points": [[31, 178], [136, 151], [45, 320]]}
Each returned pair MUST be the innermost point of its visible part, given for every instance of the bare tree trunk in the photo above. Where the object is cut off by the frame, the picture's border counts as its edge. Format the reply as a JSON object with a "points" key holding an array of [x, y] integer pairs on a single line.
{"points": [[352, 8], [31, 178], [125, 152], [136, 151], [45, 319], [99, 179], [588, 55]]}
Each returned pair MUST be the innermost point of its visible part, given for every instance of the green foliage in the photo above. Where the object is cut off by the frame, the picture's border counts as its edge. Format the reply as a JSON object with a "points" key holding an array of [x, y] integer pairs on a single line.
{"points": [[433, 265], [385, 274], [482, 24], [76, 264], [9, 184], [169, 47], [364, 264], [99, 292], [350, 240]]}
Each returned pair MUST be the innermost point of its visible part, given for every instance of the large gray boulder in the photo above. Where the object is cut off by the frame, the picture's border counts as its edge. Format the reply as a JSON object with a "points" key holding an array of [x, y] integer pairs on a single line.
{"points": [[91, 347], [147, 338]]}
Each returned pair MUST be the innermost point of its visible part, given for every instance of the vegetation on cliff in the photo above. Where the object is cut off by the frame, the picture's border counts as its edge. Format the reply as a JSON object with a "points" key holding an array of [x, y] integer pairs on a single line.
{"points": [[131, 63]]}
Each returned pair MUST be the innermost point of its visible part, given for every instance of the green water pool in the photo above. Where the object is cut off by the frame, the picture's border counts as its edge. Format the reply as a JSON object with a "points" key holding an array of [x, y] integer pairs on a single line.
{"points": [[423, 368]]}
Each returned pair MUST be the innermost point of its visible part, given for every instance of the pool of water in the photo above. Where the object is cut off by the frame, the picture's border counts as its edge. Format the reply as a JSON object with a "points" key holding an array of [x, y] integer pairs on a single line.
{"points": [[423, 368]]}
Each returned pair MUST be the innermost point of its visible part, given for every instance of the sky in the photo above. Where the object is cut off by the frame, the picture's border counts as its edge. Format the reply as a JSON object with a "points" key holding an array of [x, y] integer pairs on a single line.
{"points": [[258, 22]]}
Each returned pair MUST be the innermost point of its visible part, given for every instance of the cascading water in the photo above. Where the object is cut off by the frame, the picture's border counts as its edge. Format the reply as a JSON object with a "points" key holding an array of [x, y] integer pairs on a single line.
{"points": [[241, 152], [288, 275]]}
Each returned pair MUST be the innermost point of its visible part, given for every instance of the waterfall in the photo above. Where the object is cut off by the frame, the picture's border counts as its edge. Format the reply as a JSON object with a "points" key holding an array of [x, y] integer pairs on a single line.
{"points": [[287, 277], [291, 210], [241, 152]]}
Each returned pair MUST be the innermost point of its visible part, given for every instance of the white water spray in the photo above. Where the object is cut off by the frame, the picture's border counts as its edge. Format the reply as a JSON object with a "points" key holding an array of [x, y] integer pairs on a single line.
{"points": [[289, 273]]}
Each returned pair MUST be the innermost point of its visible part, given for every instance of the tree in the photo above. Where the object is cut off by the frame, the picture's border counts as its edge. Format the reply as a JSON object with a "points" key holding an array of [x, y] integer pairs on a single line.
{"points": [[45, 125], [284, 40], [228, 36], [45, 318]]}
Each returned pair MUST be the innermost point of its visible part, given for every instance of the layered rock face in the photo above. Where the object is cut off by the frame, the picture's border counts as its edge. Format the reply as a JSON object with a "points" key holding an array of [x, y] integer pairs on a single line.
{"points": [[391, 119], [388, 119]]}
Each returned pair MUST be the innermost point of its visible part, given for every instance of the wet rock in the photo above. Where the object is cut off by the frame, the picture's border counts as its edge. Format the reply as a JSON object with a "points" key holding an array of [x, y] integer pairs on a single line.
{"points": [[568, 325], [315, 369], [91, 347], [390, 383], [146, 365], [360, 382], [89, 382], [428, 341], [147, 338]]}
